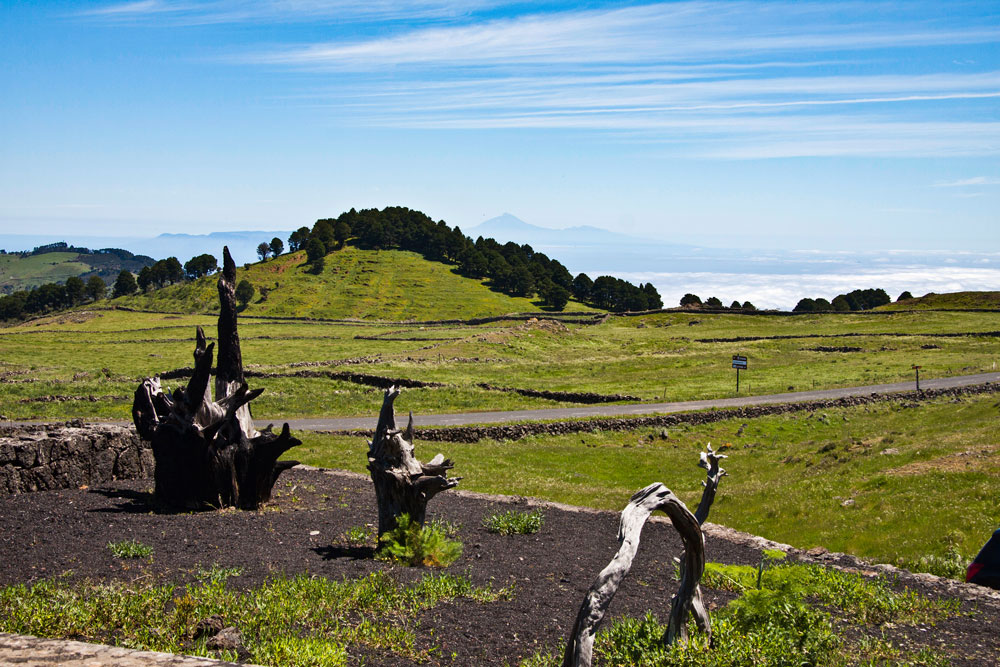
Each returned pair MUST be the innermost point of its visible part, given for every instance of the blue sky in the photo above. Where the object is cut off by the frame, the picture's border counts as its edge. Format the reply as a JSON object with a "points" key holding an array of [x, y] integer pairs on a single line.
{"points": [[763, 124]]}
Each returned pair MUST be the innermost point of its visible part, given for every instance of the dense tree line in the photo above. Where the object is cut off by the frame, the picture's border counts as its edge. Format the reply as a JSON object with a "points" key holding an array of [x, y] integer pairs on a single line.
{"points": [[694, 301], [51, 296], [511, 268], [74, 292], [856, 300]]}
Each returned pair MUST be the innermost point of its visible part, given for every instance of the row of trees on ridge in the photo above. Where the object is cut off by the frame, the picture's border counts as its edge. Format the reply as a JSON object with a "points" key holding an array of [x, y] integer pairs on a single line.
{"points": [[856, 300], [511, 268]]}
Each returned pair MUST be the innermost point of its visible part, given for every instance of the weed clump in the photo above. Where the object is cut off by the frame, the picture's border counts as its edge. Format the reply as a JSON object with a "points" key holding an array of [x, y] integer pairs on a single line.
{"points": [[513, 522], [130, 549], [414, 545]]}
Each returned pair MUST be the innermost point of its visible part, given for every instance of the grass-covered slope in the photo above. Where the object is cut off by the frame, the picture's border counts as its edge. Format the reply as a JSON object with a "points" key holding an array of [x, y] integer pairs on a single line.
{"points": [[971, 300], [365, 284], [21, 273]]}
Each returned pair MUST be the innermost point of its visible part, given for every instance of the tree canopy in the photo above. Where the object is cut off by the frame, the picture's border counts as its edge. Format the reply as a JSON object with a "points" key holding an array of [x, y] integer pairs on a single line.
{"points": [[511, 268]]}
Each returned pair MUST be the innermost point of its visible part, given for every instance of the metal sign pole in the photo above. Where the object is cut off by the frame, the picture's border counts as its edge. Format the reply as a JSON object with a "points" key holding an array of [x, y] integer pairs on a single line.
{"points": [[739, 363]]}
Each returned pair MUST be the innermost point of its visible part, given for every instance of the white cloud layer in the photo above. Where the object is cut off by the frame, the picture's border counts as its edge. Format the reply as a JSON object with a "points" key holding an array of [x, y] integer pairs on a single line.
{"points": [[784, 291]]}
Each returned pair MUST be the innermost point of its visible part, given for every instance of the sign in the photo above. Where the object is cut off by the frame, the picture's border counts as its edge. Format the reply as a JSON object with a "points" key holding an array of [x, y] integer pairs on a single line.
{"points": [[739, 362]]}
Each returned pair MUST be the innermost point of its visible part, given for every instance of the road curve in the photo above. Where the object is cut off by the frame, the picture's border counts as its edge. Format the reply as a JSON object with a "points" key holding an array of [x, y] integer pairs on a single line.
{"points": [[465, 418]]}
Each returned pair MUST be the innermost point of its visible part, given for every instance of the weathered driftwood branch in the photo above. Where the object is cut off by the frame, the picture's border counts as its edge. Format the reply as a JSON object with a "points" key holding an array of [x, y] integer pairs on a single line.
{"points": [[687, 600], [403, 485], [709, 460], [208, 452]]}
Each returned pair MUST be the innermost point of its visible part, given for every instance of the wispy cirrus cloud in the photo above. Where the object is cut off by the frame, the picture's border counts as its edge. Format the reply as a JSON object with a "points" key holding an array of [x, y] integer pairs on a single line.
{"points": [[705, 78], [660, 32], [968, 182], [182, 12]]}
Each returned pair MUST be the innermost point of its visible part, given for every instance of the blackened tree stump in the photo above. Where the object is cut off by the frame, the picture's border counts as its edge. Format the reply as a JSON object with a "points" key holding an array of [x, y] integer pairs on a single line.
{"points": [[207, 451], [403, 485]]}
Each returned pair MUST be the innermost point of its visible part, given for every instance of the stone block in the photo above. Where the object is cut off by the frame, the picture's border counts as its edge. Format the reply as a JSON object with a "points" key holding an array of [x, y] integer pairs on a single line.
{"points": [[67, 474], [10, 480], [127, 465]]}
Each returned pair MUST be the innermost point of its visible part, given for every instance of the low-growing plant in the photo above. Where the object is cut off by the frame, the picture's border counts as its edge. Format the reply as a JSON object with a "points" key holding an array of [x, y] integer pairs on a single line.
{"points": [[301, 621], [357, 536], [868, 600], [216, 573], [513, 522], [130, 549], [952, 563], [414, 545]]}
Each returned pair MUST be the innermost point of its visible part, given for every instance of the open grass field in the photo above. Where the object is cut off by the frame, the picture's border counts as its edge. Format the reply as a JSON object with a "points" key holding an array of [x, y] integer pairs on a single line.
{"points": [[917, 486], [976, 300], [87, 364], [363, 284], [20, 273]]}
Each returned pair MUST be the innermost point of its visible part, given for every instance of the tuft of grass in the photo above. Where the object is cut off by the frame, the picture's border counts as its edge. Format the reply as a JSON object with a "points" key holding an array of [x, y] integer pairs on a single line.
{"points": [[513, 522], [414, 545], [357, 536], [130, 549], [216, 573]]}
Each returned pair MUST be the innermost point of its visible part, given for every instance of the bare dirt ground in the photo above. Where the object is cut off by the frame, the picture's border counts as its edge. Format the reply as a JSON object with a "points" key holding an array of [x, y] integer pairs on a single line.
{"points": [[49, 533]]}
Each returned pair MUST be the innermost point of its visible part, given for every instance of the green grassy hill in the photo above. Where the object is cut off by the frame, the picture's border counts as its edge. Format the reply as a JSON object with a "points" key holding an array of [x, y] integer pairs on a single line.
{"points": [[21, 273], [365, 284], [972, 300]]}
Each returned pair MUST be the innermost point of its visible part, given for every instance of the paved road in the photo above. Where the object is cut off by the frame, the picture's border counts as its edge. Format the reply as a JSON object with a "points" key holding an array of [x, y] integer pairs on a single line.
{"points": [[351, 423], [464, 418]]}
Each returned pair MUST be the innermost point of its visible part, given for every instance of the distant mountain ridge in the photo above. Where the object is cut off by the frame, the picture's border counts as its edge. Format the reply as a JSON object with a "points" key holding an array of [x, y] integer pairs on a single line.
{"points": [[508, 227], [242, 244]]}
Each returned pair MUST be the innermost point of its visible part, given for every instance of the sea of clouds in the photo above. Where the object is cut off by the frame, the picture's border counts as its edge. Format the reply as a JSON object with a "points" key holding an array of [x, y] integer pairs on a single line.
{"points": [[783, 291]]}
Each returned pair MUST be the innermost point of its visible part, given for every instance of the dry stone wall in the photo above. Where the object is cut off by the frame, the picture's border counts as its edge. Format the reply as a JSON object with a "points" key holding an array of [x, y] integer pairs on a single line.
{"points": [[524, 430], [70, 455]]}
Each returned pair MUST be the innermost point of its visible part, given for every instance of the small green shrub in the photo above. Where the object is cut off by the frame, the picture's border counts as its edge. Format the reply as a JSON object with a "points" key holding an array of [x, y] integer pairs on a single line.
{"points": [[512, 522], [357, 536], [130, 549], [951, 564], [414, 545]]}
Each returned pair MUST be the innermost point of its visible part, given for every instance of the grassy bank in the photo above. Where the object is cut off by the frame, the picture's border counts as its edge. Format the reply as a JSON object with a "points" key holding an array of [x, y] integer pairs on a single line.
{"points": [[894, 483]]}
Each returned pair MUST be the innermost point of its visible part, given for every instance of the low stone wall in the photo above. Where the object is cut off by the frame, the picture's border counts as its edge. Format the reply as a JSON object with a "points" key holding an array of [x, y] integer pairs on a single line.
{"points": [[70, 455], [523, 430]]}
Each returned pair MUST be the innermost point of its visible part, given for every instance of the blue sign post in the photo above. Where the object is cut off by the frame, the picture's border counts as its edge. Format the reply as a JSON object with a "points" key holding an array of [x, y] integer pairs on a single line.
{"points": [[739, 362]]}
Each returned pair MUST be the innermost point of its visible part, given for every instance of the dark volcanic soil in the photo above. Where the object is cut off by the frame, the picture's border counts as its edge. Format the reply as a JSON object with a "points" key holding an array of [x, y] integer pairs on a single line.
{"points": [[49, 533]]}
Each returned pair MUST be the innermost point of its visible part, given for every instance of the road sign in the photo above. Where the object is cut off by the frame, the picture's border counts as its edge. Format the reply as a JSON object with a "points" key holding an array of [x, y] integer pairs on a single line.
{"points": [[739, 363]]}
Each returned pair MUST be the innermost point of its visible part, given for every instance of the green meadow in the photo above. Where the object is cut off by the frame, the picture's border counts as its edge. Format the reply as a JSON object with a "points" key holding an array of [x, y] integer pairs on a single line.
{"points": [[915, 485], [18, 273], [909, 485], [362, 284], [92, 359]]}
